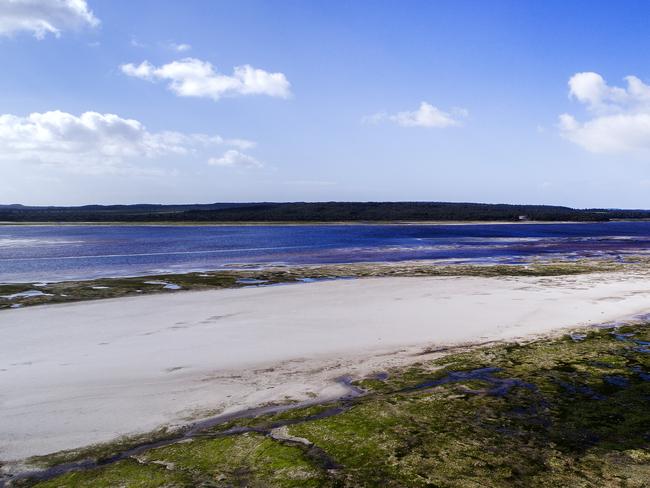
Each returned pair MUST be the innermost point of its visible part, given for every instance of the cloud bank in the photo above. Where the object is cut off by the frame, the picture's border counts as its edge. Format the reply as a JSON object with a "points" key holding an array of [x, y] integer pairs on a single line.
{"points": [[618, 119], [191, 77], [425, 116], [96, 143], [42, 17]]}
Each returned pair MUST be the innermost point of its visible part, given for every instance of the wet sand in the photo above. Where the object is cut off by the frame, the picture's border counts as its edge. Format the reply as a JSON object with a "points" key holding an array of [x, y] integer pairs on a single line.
{"points": [[81, 373]]}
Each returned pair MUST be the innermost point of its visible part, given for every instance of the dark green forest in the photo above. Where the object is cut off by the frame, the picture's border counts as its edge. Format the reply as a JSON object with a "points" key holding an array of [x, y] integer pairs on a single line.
{"points": [[313, 212]]}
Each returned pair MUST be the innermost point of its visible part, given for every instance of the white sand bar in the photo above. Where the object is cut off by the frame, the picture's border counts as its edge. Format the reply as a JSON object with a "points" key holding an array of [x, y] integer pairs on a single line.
{"points": [[80, 373]]}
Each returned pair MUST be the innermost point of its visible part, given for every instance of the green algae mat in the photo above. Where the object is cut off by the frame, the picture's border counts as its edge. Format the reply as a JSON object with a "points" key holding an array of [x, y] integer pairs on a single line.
{"points": [[14, 295], [567, 412]]}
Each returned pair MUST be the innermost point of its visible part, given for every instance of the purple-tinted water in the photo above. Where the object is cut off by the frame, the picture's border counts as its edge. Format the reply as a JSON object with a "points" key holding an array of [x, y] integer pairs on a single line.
{"points": [[52, 253]]}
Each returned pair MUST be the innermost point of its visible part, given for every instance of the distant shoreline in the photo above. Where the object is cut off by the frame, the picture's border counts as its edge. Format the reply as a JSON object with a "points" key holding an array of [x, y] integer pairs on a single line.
{"points": [[172, 223], [300, 213]]}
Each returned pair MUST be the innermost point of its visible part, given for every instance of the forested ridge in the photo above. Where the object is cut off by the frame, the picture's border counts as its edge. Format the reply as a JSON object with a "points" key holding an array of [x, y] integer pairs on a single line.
{"points": [[312, 212]]}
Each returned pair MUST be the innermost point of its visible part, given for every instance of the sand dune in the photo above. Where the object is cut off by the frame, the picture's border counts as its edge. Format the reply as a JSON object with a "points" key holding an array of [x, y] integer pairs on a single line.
{"points": [[81, 373]]}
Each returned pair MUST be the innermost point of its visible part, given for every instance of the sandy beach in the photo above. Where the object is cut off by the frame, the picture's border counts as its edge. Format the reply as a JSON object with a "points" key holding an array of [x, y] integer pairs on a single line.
{"points": [[76, 374]]}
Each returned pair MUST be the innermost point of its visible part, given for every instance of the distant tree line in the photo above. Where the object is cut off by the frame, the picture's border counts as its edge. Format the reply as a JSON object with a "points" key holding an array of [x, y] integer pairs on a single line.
{"points": [[312, 212]]}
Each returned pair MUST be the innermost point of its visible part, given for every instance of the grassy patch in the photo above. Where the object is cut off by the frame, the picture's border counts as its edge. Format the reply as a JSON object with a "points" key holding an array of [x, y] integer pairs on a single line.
{"points": [[125, 474], [245, 460], [563, 423], [101, 451]]}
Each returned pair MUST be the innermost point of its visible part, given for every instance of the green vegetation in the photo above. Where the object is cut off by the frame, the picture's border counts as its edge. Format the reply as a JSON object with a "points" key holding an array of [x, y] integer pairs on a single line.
{"points": [[312, 212], [551, 414], [246, 460], [565, 412], [69, 291], [104, 451], [127, 473]]}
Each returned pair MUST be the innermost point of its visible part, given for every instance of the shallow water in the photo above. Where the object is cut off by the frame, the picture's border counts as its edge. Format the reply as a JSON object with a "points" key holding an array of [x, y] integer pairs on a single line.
{"points": [[497, 386], [54, 253]]}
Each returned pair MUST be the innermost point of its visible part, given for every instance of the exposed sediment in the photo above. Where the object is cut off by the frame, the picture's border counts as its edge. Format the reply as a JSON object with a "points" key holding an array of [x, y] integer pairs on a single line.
{"points": [[570, 411]]}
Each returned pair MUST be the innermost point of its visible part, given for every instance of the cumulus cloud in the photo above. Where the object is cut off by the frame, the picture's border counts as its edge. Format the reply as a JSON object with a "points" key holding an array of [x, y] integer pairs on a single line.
{"points": [[618, 119], [236, 159], [425, 116], [192, 77], [42, 17], [95, 143]]}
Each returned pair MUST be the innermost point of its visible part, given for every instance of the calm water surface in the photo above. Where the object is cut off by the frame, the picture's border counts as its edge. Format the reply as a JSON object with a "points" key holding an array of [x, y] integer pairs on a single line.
{"points": [[52, 253]]}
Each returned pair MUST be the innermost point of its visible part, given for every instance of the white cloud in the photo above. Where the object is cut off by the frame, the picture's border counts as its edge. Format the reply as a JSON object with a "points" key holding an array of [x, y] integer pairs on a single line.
{"points": [[180, 48], [42, 17], [310, 183], [236, 159], [241, 143], [192, 77], [135, 43], [619, 118], [95, 143], [425, 116], [144, 70]]}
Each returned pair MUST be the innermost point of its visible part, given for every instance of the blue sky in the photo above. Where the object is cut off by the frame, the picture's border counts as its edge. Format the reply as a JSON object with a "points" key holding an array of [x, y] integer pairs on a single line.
{"points": [[432, 100]]}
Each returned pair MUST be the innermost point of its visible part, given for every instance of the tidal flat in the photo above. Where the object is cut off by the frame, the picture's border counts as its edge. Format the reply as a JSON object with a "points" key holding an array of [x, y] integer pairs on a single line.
{"points": [[569, 411], [78, 374], [17, 295]]}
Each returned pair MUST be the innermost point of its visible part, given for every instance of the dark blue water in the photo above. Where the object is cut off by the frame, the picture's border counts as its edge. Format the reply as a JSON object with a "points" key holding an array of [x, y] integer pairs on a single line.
{"points": [[51, 253]]}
